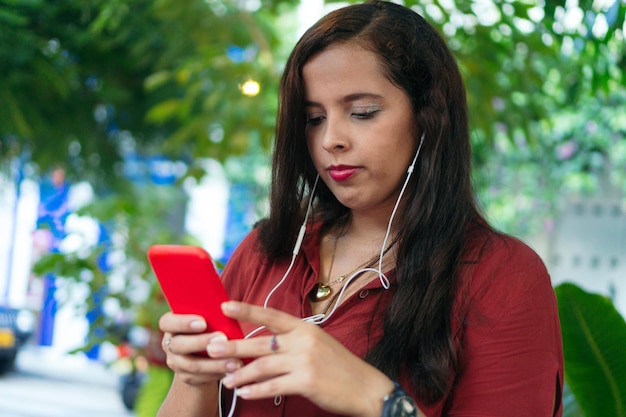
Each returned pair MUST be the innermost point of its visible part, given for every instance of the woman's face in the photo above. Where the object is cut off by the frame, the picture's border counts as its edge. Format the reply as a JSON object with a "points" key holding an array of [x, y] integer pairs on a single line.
{"points": [[359, 127]]}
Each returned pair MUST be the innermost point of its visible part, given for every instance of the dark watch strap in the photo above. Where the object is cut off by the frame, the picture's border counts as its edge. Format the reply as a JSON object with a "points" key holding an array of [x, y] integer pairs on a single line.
{"points": [[399, 404]]}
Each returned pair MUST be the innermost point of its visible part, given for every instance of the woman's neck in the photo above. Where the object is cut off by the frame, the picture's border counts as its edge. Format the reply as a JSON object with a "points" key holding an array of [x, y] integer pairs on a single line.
{"points": [[368, 227]]}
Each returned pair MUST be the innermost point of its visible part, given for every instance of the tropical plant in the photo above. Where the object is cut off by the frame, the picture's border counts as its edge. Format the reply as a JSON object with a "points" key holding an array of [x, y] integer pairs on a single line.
{"points": [[85, 81], [537, 74], [153, 392], [594, 346]]}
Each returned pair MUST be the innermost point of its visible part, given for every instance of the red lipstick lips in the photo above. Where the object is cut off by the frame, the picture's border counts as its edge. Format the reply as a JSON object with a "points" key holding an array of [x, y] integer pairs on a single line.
{"points": [[341, 172]]}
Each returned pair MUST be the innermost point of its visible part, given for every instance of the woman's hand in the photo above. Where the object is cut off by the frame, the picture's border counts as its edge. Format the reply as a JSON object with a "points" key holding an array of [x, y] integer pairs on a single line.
{"points": [[185, 345], [300, 358]]}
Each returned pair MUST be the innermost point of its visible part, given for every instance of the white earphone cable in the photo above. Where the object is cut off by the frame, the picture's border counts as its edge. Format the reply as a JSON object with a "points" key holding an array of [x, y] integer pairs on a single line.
{"points": [[296, 248], [318, 319], [383, 279]]}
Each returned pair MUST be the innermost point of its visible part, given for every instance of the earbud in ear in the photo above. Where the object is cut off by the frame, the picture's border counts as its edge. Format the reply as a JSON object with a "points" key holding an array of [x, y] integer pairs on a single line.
{"points": [[412, 166]]}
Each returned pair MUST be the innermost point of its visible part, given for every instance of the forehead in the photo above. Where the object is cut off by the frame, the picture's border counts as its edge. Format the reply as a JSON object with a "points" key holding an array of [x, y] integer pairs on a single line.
{"points": [[343, 68]]}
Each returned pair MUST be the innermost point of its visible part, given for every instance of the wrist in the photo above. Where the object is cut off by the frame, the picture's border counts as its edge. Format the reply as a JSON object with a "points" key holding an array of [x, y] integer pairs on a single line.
{"points": [[399, 404], [374, 390]]}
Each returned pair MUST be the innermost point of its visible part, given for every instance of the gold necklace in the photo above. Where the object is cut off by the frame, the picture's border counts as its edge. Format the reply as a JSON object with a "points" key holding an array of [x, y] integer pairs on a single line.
{"points": [[322, 291]]}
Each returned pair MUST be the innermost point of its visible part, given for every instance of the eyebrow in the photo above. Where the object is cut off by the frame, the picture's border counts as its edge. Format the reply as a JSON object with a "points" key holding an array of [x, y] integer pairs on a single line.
{"points": [[349, 98]]}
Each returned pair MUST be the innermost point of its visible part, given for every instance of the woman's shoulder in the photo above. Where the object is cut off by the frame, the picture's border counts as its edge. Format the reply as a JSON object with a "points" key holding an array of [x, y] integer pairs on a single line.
{"points": [[490, 248], [502, 280], [499, 265], [506, 325]]}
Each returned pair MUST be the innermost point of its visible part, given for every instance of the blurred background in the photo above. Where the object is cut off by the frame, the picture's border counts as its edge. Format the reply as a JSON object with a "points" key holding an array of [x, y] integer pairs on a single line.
{"points": [[126, 123]]}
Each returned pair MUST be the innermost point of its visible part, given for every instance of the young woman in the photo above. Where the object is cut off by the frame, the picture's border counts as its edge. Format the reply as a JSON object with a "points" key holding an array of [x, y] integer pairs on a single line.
{"points": [[399, 299]]}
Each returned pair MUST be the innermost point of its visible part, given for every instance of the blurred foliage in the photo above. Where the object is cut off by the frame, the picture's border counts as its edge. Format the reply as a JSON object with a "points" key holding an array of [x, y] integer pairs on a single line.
{"points": [[102, 87], [112, 276], [571, 408], [84, 81], [540, 76], [153, 391], [582, 152]]}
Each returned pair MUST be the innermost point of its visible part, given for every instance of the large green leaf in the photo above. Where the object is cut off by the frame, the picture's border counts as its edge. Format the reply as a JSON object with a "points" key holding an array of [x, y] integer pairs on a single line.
{"points": [[153, 391], [594, 346]]}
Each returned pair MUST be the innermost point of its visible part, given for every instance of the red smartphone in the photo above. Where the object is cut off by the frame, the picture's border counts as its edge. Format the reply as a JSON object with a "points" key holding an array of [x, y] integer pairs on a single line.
{"points": [[191, 285]]}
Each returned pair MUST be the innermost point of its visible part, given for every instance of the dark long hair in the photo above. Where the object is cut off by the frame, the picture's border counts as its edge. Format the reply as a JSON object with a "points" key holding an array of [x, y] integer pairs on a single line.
{"points": [[439, 204]]}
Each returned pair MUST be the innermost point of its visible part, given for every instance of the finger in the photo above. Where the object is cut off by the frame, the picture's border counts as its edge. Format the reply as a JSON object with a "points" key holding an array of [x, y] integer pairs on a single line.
{"points": [[265, 378], [294, 384], [247, 348], [276, 321], [189, 343], [267, 368], [166, 341], [280, 385], [196, 368], [274, 345], [181, 323]]}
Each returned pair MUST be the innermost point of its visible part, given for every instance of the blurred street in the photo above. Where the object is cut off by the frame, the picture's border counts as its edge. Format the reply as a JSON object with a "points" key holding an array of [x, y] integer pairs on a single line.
{"points": [[47, 384]]}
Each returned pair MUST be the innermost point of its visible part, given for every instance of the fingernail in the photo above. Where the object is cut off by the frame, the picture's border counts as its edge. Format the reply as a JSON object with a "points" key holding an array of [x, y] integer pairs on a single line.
{"points": [[228, 380], [218, 338], [216, 347], [243, 392], [216, 344], [232, 366], [230, 307], [197, 325]]}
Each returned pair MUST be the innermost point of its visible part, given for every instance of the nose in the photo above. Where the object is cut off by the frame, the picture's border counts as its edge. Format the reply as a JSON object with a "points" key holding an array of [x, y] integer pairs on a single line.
{"points": [[335, 135]]}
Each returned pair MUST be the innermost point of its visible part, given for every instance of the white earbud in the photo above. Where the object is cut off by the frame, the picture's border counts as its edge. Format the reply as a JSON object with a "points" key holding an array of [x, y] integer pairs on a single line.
{"points": [[296, 247], [412, 166]]}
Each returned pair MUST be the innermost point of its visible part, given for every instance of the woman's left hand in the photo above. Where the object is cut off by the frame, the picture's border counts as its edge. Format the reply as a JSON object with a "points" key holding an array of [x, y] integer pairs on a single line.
{"points": [[300, 359]]}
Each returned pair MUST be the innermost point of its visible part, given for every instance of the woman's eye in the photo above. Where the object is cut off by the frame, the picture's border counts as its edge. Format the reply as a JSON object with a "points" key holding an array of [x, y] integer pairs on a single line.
{"points": [[366, 112], [311, 120]]}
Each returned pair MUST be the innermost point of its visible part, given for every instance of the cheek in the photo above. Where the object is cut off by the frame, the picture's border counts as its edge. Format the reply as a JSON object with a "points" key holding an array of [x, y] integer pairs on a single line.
{"points": [[396, 157], [404, 143], [396, 141]]}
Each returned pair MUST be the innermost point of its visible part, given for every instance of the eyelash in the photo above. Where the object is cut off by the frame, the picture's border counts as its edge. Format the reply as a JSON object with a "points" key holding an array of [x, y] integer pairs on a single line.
{"points": [[366, 115], [314, 121]]}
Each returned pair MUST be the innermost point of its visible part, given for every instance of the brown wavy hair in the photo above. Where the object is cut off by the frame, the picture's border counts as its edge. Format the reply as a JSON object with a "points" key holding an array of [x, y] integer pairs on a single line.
{"points": [[438, 206]]}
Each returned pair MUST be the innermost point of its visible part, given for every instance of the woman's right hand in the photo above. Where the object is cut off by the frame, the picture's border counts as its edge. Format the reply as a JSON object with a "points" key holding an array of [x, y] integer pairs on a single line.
{"points": [[185, 345]]}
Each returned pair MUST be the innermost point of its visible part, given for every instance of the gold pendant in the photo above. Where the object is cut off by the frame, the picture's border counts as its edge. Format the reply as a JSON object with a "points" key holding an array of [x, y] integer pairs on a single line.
{"points": [[320, 292]]}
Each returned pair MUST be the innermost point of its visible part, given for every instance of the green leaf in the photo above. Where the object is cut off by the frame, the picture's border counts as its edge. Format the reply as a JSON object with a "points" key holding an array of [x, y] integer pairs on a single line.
{"points": [[13, 19], [21, 3], [163, 111], [48, 263], [157, 80], [594, 343], [153, 391], [14, 113]]}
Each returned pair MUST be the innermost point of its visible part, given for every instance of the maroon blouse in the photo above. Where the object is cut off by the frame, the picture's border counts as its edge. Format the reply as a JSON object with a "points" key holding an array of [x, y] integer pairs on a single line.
{"points": [[505, 321]]}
